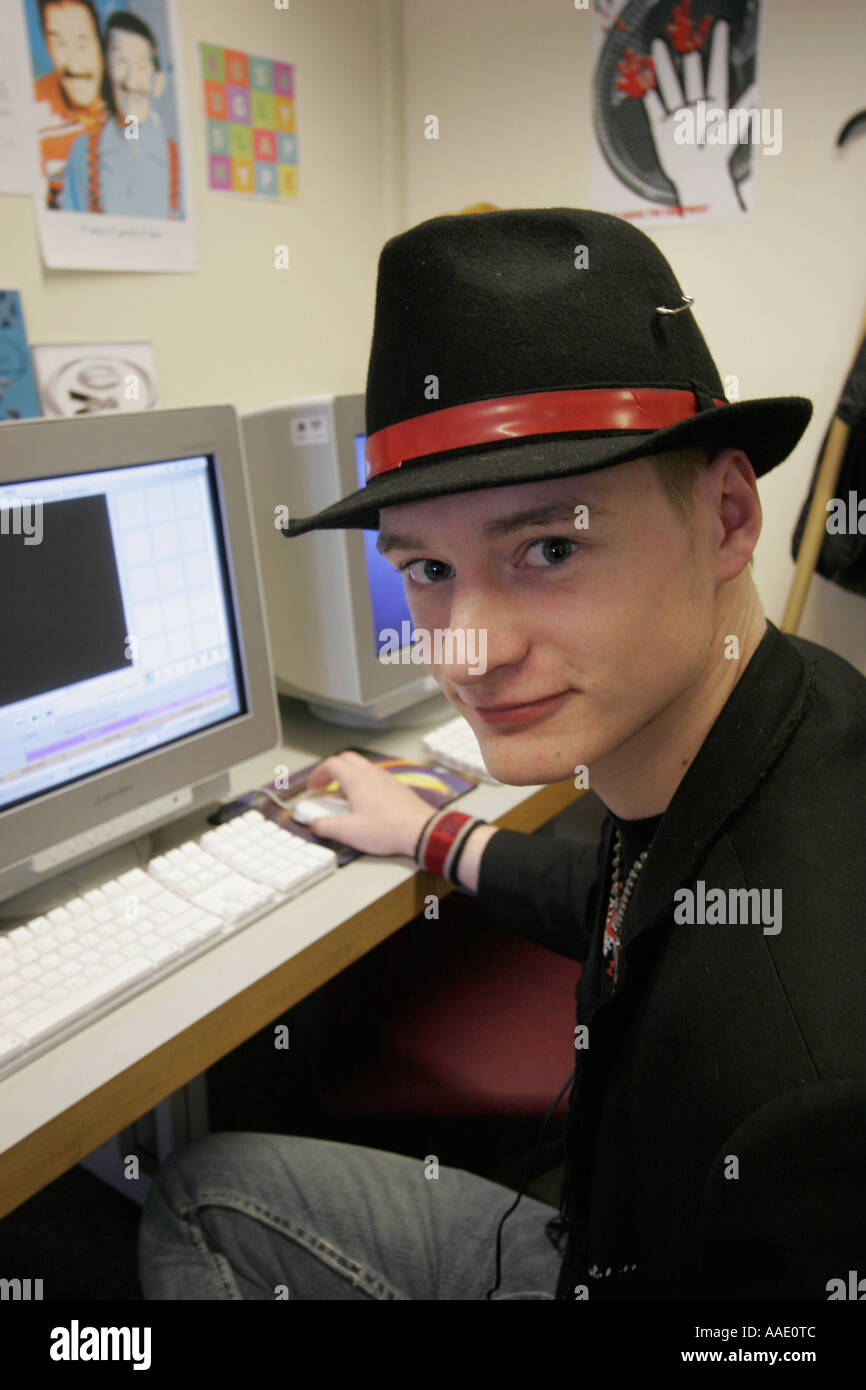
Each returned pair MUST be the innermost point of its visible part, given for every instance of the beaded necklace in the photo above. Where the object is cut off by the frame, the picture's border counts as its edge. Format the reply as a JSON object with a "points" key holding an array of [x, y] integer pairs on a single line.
{"points": [[616, 907]]}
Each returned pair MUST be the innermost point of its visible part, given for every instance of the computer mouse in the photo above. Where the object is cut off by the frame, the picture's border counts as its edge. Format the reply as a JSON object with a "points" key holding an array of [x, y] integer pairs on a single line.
{"points": [[309, 808]]}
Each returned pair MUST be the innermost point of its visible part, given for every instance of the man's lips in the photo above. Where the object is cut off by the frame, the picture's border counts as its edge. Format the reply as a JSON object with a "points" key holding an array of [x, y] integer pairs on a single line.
{"points": [[518, 714]]}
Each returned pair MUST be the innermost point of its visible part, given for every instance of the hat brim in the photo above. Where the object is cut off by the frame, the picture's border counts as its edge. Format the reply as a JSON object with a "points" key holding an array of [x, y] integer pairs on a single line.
{"points": [[766, 431]]}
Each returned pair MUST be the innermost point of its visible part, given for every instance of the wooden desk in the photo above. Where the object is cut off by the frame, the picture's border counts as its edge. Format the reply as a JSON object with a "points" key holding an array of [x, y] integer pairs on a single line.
{"points": [[69, 1101]]}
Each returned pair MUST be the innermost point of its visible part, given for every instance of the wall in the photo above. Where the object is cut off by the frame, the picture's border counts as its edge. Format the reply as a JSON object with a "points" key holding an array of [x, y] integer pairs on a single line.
{"points": [[239, 330], [780, 299]]}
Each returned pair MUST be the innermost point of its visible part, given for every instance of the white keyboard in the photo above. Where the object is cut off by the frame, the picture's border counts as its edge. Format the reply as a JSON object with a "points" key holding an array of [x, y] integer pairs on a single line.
{"points": [[454, 745], [60, 971]]}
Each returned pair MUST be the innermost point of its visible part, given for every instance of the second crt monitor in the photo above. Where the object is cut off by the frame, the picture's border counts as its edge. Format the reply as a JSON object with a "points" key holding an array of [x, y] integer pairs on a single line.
{"points": [[333, 602]]}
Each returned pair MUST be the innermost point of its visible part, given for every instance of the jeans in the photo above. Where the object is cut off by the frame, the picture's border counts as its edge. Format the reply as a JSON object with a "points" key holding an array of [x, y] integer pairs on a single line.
{"points": [[263, 1216]]}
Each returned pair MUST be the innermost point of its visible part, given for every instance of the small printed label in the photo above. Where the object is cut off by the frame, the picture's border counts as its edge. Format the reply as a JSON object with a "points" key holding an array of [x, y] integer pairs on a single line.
{"points": [[310, 429]]}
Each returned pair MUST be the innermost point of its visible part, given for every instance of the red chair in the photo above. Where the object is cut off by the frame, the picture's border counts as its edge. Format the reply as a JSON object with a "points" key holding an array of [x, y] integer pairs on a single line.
{"points": [[448, 1017]]}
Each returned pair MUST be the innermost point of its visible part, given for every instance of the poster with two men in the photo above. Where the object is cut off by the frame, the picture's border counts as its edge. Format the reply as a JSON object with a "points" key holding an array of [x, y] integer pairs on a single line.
{"points": [[114, 173]]}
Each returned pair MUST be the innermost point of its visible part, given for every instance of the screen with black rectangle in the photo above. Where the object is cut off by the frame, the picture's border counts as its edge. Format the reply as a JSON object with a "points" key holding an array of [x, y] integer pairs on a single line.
{"points": [[118, 634], [63, 620]]}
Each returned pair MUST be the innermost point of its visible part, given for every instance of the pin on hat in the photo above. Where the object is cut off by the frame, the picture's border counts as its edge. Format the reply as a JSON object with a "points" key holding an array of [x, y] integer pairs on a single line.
{"points": [[559, 342]]}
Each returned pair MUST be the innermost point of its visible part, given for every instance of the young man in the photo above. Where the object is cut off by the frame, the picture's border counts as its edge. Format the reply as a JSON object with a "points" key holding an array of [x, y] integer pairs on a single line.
{"points": [[129, 168], [69, 99], [578, 488]]}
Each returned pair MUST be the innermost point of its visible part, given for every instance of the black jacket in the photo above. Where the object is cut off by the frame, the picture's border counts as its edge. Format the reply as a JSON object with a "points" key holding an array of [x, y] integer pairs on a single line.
{"points": [[716, 1129]]}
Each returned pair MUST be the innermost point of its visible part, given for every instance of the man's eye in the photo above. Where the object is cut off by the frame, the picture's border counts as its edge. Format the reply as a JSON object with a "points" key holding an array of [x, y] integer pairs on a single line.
{"points": [[426, 572], [553, 550]]}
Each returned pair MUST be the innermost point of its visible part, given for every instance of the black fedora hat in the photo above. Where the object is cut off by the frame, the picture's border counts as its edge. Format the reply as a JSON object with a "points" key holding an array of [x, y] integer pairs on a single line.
{"points": [[532, 343]]}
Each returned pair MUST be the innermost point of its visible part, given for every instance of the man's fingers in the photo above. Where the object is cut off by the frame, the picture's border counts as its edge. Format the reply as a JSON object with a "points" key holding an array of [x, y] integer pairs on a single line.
{"points": [[352, 770], [320, 775], [666, 77], [335, 768], [717, 73], [328, 827]]}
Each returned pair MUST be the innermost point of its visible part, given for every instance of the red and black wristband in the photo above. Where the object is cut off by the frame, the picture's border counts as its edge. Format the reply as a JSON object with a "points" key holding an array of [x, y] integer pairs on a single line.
{"points": [[442, 842]]}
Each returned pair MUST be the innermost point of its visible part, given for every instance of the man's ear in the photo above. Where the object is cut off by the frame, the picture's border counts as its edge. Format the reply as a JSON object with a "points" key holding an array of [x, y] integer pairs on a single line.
{"points": [[741, 516], [158, 85]]}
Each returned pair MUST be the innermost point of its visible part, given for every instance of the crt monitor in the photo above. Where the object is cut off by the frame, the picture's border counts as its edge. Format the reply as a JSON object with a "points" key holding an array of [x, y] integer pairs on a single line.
{"points": [[134, 664], [339, 623]]}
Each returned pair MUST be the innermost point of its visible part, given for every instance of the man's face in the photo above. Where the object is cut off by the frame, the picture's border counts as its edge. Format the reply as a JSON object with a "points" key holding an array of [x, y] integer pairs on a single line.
{"points": [[591, 633], [133, 76], [75, 50]]}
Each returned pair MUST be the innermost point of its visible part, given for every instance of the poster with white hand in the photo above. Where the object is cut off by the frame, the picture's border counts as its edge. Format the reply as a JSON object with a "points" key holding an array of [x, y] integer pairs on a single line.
{"points": [[679, 133]]}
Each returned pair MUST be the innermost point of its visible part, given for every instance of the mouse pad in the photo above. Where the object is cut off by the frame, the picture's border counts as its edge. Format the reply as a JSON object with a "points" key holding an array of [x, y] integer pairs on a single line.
{"points": [[275, 801]]}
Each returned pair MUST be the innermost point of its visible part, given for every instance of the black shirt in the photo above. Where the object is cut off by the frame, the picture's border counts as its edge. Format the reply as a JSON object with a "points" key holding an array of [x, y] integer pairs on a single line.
{"points": [[721, 1040], [636, 837]]}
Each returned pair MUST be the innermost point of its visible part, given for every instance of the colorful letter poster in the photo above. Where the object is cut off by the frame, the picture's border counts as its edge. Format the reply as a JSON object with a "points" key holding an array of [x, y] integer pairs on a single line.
{"points": [[679, 132], [114, 170], [252, 144]]}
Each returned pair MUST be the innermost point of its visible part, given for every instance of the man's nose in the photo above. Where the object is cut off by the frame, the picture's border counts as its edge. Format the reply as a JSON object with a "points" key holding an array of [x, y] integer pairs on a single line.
{"points": [[494, 634]]}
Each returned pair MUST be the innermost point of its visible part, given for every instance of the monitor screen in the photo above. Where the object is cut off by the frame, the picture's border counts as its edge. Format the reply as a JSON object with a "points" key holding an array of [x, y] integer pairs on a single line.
{"points": [[120, 638], [387, 593]]}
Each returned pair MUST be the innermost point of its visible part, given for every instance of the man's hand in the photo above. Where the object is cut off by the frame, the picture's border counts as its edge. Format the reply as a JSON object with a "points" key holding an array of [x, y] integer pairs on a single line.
{"points": [[386, 817]]}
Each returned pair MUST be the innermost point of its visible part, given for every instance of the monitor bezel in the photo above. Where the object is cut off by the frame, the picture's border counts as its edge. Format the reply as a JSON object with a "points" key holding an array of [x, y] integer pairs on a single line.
{"points": [[48, 448]]}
